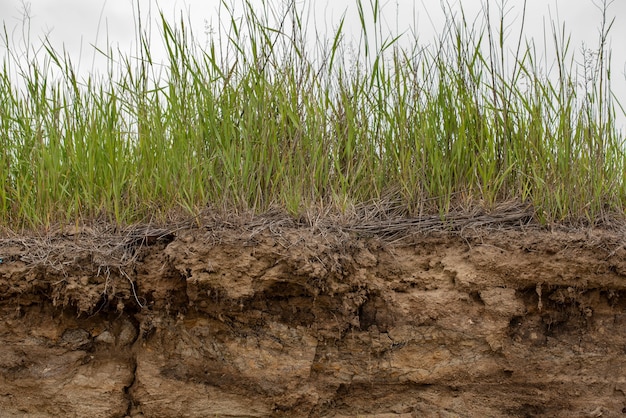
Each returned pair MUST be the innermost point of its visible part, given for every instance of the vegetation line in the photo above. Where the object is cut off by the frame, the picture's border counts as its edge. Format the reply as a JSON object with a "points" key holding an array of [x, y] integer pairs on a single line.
{"points": [[261, 118]]}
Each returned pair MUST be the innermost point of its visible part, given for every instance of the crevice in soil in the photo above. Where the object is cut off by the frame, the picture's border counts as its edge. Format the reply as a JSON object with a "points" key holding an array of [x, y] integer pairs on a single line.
{"points": [[133, 403]]}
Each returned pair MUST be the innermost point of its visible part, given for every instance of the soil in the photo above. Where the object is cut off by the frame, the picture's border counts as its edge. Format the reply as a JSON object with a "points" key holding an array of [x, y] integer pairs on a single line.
{"points": [[277, 317]]}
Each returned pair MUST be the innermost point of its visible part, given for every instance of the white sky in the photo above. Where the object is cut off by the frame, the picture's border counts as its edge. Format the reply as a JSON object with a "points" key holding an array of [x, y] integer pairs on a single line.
{"points": [[76, 25]]}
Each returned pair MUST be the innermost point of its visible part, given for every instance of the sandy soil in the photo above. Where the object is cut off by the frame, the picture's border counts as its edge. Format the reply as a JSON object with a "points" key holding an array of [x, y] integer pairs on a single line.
{"points": [[273, 318]]}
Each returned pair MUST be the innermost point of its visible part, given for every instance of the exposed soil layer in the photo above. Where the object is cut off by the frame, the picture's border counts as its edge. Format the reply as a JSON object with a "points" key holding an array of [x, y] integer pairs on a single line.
{"points": [[277, 319]]}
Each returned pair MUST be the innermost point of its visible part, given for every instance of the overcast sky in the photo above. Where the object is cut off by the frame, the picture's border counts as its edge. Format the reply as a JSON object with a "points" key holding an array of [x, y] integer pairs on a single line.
{"points": [[76, 25]]}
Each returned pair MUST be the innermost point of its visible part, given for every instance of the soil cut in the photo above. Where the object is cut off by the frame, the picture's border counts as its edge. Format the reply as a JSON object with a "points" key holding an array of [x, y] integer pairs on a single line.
{"points": [[277, 317]]}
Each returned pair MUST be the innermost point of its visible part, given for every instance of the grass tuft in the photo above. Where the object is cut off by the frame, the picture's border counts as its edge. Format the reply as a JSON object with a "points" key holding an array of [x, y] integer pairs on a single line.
{"points": [[260, 118]]}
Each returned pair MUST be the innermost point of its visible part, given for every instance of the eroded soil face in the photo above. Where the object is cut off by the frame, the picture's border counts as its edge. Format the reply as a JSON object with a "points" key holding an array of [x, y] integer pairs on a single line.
{"points": [[284, 320]]}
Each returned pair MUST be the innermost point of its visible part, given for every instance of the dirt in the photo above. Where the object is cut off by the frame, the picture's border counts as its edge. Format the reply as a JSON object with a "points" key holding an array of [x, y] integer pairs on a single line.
{"points": [[277, 318]]}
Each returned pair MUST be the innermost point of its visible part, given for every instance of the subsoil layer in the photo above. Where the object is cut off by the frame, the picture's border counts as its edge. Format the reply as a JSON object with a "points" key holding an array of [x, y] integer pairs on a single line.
{"points": [[274, 318]]}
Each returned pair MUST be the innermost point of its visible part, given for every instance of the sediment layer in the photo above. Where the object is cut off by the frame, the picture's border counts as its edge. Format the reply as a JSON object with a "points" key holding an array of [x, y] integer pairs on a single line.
{"points": [[285, 320]]}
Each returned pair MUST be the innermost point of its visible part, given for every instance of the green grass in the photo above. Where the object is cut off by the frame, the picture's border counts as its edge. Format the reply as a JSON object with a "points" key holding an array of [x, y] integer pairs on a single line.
{"points": [[260, 118]]}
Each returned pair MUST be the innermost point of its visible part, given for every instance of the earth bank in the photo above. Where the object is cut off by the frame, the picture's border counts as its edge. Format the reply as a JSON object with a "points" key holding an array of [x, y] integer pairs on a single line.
{"points": [[276, 318]]}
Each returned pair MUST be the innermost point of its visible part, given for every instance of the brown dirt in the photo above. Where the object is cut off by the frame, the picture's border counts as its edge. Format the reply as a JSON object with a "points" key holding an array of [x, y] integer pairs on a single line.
{"points": [[273, 318]]}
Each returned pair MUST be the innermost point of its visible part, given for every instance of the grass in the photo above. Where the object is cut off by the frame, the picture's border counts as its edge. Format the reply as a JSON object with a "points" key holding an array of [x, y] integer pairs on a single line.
{"points": [[260, 118]]}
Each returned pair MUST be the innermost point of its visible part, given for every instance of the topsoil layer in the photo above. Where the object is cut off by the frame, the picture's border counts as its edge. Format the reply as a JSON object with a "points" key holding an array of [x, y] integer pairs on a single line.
{"points": [[269, 317]]}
